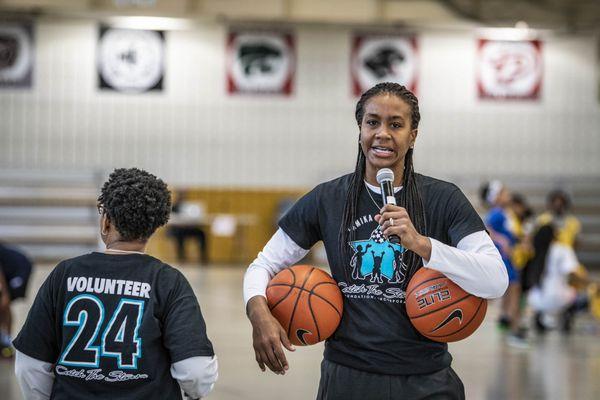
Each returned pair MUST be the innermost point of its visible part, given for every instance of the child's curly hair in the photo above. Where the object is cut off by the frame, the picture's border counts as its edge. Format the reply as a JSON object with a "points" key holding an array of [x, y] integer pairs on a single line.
{"points": [[136, 202]]}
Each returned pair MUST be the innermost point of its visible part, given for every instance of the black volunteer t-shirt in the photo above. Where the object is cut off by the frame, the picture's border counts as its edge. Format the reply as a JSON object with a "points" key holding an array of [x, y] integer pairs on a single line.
{"points": [[112, 325], [375, 333]]}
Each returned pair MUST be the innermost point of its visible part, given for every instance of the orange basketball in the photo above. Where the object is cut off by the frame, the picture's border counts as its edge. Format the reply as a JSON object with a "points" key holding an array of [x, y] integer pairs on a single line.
{"points": [[307, 303], [440, 310]]}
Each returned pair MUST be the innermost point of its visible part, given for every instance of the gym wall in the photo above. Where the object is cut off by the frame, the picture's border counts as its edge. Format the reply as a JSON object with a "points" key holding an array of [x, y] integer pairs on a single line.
{"points": [[195, 134]]}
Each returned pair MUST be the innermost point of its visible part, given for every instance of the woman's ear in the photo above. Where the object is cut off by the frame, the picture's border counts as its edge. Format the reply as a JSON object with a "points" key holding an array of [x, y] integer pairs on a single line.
{"points": [[413, 136]]}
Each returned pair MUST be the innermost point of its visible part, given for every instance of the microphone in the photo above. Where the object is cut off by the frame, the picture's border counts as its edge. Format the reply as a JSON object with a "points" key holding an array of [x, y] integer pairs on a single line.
{"points": [[385, 178]]}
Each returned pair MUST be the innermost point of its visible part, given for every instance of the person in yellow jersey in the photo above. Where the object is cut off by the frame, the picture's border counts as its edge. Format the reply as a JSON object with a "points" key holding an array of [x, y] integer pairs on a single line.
{"points": [[519, 216], [567, 226], [550, 274], [566, 231], [521, 224]]}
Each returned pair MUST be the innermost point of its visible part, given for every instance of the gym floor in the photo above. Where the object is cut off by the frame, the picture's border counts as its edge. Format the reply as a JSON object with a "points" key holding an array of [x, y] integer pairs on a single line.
{"points": [[553, 367]]}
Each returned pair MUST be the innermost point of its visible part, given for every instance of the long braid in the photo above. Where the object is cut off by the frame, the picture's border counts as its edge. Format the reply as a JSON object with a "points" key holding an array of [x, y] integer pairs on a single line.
{"points": [[410, 197], [351, 206]]}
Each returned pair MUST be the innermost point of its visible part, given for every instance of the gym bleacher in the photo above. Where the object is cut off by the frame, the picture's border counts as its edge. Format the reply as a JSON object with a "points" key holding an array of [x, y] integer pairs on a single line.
{"points": [[49, 215]]}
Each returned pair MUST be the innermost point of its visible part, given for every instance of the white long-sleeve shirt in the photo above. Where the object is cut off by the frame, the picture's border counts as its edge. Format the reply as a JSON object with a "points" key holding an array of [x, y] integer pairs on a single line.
{"points": [[474, 264], [196, 376]]}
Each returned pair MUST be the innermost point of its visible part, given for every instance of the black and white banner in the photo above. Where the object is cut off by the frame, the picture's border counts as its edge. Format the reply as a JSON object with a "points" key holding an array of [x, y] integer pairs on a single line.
{"points": [[16, 54], [131, 60], [260, 62], [383, 58], [509, 69]]}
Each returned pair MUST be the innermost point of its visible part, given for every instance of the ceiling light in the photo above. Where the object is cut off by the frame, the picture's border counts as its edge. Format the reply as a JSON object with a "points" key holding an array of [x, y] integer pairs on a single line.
{"points": [[154, 23]]}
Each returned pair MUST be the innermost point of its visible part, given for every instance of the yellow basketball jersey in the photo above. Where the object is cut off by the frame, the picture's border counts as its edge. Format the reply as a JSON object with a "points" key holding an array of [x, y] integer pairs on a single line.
{"points": [[567, 228]]}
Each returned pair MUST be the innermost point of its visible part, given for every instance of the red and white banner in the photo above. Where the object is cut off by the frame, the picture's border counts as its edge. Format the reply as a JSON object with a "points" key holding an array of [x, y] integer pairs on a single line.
{"points": [[509, 69], [260, 62], [383, 58]]}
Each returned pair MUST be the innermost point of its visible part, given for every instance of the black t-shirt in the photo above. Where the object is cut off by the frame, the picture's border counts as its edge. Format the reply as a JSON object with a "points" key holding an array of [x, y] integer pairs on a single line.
{"points": [[113, 325], [375, 333]]}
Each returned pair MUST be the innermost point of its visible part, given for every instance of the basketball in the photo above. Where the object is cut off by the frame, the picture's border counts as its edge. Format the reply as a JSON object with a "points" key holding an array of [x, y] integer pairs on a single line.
{"points": [[307, 303], [440, 310]]}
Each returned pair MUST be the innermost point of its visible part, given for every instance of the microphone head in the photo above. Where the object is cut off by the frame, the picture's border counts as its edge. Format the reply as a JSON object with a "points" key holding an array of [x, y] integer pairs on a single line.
{"points": [[385, 174]]}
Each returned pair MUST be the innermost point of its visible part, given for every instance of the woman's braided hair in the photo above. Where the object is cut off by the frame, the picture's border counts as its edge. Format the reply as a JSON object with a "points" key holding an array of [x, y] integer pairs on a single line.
{"points": [[410, 197]]}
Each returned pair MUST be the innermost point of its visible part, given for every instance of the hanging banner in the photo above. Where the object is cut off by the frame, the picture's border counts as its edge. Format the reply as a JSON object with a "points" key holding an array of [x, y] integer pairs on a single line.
{"points": [[509, 69], [130, 60], [383, 58], [16, 54], [260, 62]]}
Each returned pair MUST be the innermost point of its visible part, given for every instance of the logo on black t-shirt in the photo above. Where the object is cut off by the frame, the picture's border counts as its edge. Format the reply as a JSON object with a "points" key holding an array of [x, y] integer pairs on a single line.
{"points": [[377, 269], [377, 260]]}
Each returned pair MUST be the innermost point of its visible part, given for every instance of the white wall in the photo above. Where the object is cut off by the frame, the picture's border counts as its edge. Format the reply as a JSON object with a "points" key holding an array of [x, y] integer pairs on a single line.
{"points": [[558, 135], [193, 133]]}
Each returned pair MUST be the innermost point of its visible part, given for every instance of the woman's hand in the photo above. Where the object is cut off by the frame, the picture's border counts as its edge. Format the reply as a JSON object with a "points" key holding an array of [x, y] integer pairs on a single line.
{"points": [[267, 337], [394, 220]]}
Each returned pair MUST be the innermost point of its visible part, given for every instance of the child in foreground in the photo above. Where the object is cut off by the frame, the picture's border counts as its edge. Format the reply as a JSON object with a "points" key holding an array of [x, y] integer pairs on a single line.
{"points": [[117, 324]]}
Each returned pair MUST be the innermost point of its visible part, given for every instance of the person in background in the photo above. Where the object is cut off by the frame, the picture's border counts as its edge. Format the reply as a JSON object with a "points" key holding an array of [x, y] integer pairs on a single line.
{"points": [[186, 223], [15, 270], [550, 275], [498, 199], [521, 225], [520, 214], [567, 227]]}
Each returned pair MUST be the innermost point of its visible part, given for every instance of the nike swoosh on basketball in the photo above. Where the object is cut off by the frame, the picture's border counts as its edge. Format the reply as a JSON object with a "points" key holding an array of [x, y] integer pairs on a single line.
{"points": [[456, 313], [300, 335]]}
